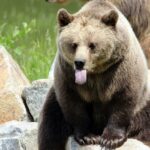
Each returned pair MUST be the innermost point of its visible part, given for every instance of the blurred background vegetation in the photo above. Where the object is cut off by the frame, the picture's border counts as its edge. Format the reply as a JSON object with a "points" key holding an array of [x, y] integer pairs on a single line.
{"points": [[28, 31]]}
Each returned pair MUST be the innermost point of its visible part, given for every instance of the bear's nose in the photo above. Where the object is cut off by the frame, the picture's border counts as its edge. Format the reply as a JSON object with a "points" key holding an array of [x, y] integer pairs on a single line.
{"points": [[79, 64]]}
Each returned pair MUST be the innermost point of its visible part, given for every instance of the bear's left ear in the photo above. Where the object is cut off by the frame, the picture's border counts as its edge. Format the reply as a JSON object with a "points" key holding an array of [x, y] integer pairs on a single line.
{"points": [[110, 18], [64, 17]]}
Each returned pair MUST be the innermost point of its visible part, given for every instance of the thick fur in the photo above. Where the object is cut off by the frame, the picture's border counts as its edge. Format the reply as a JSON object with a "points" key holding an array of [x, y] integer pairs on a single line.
{"points": [[140, 125], [54, 130], [137, 12], [105, 110]]}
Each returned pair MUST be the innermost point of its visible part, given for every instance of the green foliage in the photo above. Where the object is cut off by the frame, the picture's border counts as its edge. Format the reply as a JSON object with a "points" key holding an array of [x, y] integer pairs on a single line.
{"points": [[28, 31], [34, 52]]}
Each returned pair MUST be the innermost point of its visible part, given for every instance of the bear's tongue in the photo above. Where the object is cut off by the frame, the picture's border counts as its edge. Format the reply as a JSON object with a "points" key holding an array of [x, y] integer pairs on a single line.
{"points": [[80, 76]]}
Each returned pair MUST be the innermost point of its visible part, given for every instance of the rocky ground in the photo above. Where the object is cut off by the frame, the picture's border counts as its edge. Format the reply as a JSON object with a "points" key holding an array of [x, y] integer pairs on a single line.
{"points": [[20, 106]]}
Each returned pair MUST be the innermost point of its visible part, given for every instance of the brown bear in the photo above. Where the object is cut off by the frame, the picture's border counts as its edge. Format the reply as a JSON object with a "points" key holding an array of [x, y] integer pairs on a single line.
{"points": [[138, 14], [100, 88]]}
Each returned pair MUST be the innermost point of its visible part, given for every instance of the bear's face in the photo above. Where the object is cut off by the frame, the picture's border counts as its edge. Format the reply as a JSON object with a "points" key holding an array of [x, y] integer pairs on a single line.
{"points": [[89, 45]]}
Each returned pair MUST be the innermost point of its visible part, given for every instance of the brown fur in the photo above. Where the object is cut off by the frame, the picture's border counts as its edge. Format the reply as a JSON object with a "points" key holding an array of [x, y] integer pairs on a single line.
{"points": [[138, 14], [105, 109]]}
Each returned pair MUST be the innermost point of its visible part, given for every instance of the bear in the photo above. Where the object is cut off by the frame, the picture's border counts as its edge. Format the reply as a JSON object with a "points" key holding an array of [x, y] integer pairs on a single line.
{"points": [[100, 89], [137, 12]]}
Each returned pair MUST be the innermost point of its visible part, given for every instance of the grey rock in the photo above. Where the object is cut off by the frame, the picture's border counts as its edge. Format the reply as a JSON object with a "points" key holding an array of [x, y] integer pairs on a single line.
{"points": [[23, 136], [16, 135], [72, 145], [34, 97], [10, 144]]}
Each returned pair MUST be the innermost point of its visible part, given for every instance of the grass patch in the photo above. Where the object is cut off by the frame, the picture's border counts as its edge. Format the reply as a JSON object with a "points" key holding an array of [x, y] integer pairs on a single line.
{"points": [[28, 31]]}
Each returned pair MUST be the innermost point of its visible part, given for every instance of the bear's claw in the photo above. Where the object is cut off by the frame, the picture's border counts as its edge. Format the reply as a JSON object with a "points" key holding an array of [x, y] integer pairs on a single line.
{"points": [[88, 140], [112, 138]]}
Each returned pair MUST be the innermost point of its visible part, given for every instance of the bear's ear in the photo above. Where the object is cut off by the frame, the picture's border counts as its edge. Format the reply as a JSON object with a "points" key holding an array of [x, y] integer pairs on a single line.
{"points": [[64, 17], [110, 18]]}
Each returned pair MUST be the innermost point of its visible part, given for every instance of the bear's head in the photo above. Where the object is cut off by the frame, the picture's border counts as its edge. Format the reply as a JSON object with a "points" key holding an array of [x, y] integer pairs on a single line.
{"points": [[92, 40]]}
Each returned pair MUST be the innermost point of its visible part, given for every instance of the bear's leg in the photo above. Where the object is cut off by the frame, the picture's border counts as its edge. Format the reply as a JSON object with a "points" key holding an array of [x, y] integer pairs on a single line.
{"points": [[76, 111], [144, 136], [116, 131], [98, 123], [140, 125], [53, 130]]}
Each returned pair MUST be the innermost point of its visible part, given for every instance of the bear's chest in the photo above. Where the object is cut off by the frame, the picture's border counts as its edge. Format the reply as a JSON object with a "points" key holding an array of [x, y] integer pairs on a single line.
{"points": [[95, 92], [88, 94]]}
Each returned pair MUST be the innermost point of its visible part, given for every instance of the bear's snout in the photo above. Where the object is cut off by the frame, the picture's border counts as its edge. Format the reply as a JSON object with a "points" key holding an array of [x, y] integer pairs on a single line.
{"points": [[79, 64]]}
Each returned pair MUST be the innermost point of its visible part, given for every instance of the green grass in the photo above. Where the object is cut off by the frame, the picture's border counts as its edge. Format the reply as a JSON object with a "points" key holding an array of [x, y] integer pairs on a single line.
{"points": [[28, 31]]}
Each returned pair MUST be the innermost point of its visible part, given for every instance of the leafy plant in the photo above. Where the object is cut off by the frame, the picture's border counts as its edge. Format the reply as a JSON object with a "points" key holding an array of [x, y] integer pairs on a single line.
{"points": [[28, 31]]}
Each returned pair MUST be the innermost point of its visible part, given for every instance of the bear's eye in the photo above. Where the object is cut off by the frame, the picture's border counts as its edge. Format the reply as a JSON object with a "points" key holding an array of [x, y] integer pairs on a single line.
{"points": [[92, 46], [74, 46]]}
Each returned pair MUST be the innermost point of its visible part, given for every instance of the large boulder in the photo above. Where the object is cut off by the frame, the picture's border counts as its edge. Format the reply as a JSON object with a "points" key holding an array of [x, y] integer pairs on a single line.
{"points": [[18, 136], [12, 82], [34, 97], [23, 136]]}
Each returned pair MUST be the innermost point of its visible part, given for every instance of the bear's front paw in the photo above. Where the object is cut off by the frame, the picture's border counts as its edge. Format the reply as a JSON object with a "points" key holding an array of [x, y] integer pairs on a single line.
{"points": [[88, 139], [113, 138]]}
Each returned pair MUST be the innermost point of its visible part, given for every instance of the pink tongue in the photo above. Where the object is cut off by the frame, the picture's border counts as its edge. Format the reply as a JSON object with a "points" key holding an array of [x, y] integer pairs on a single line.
{"points": [[80, 76]]}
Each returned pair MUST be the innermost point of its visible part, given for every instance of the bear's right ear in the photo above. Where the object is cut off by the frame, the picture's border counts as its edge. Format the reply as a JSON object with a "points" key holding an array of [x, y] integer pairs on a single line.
{"points": [[110, 18], [64, 17]]}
